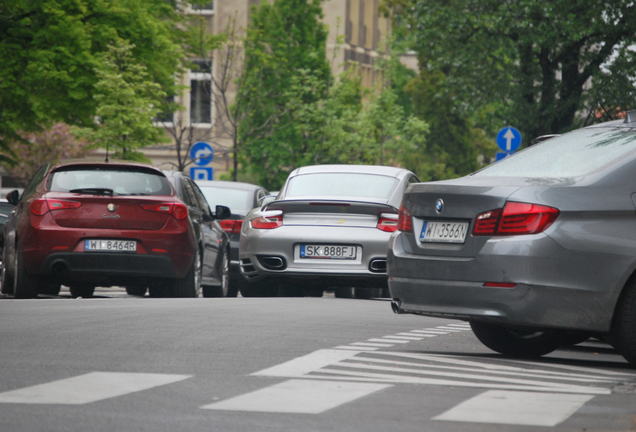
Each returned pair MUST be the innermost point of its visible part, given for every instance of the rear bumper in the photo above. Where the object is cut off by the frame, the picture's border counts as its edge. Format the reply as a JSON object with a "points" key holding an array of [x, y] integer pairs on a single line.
{"points": [[554, 288]]}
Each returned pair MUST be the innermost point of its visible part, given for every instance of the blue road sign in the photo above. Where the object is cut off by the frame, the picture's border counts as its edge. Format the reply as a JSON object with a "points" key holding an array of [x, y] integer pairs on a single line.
{"points": [[501, 155], [509, 139], [201, 153], [201, 173]]}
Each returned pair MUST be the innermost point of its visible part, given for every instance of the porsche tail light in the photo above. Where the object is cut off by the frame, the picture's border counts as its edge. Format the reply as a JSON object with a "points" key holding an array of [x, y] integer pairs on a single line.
{"points": [[232, 226], [268, 220], [177, 210], [387, 222], [41, 206], [515, 218], [405, 221]]}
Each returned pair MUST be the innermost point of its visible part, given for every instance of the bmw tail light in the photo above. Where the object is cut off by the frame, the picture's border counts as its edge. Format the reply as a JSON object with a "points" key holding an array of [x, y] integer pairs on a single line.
{"points": [[515, 218], [177, 210], [232, 226], [41, 206], [268, 220], [387, 222], [405, 221]]}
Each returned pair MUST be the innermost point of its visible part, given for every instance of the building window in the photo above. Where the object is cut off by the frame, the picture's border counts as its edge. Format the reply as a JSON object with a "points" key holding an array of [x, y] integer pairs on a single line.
{"points": [[202, 6], [201, 92]]}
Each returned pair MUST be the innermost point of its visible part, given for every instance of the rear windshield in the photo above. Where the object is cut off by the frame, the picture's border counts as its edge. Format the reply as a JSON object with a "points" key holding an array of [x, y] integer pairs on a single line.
{"points": [[571, 155], [341, 185], [239, 201], [120, 181]]}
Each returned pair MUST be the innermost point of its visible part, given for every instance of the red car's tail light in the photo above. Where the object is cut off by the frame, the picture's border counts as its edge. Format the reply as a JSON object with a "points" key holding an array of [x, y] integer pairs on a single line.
{"points": [[268, 220], [514, 219], [387, 222], [232, 226], [405, 221], [177, 210], [41, 206]]}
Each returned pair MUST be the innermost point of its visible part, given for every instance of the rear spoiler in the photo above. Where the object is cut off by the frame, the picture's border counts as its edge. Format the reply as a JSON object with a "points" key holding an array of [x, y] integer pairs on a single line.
{"points": [[330, 206]]}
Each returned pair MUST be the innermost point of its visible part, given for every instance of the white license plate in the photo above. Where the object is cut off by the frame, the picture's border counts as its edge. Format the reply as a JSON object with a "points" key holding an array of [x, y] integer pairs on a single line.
{"points": [[328, 251], [110, 245], [443, 232]]}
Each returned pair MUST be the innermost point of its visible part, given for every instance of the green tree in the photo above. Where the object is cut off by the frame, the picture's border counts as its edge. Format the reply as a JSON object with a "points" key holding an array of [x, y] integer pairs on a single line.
{"points": [[127, 102], [50, 48], [536, 62], [284, 39]]}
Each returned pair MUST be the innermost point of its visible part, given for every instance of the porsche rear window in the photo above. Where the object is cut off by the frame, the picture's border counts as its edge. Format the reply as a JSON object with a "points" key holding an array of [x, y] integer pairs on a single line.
{"points": [[120, 181], [341, 185], [571, 155]]}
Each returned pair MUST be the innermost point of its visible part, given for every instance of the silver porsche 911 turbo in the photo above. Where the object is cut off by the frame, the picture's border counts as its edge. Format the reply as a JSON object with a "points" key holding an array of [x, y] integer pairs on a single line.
{"points": [[328, 228]]}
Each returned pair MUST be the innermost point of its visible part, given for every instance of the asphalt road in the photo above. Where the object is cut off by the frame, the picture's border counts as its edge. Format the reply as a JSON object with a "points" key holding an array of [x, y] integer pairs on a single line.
{"points": [[119, 363]]}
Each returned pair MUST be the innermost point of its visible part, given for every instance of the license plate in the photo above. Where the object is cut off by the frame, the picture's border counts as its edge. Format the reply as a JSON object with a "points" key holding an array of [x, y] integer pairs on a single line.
{"points": [[110, 245], [443, 232], [328, 251]]}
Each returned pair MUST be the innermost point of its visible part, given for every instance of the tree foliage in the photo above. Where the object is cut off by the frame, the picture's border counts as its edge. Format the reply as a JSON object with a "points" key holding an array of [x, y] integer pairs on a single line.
{"points": [[535, 64], [127, 102], [283, 39], [50, 49]]}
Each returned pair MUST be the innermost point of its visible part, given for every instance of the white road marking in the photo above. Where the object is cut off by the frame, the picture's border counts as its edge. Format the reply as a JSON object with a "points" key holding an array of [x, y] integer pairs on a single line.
{"points": [[434, 332], [516, 408], [299, 396], [407, 338], [87, 388], [380, 345], [388, 340], [418, 335], [303, 365], [450, 329]]}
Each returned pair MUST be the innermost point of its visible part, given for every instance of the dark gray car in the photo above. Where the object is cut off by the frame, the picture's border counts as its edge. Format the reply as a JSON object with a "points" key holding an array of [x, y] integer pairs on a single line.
{"points": [[536, 251]]}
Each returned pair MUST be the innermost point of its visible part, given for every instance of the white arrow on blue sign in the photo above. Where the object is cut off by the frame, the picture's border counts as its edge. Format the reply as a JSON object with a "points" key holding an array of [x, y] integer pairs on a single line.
{"points": [[509, 139], [201, 153]]}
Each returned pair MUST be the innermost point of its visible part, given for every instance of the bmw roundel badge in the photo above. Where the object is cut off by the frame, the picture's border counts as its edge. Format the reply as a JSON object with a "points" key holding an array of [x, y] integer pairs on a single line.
{"points": [[110, 207], [439, 205]]}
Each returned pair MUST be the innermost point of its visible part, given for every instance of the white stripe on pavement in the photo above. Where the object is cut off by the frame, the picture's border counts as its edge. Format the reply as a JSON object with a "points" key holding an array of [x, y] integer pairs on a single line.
{"points": [[356, 348], [305, 364], [388, 340], [87, 388], [516, 408], [380, 345], [299, 396]]}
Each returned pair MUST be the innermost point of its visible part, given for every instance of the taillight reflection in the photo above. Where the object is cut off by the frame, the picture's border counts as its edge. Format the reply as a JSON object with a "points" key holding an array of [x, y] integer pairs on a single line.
{"points": [[177, 210], [232, 226], [387, 222], [41, 206], [515, 218], [405, 221]]}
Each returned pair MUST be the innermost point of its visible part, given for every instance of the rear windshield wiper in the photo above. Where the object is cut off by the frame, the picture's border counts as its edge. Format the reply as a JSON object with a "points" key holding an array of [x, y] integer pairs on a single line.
{"points": [[93, 191]]}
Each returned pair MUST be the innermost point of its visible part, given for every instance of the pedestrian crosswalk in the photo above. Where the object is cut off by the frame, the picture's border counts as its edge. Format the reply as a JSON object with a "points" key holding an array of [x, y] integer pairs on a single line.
{"points": [[512, 391]]}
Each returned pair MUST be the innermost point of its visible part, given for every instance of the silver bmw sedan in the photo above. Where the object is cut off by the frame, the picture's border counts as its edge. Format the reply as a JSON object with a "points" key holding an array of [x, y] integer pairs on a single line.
{"points": [[535, 251], [328, 228]]}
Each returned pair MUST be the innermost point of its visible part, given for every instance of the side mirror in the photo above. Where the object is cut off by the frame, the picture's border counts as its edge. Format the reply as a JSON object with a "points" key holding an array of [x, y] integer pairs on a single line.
{"points": [[222, 212], [13, 197]]}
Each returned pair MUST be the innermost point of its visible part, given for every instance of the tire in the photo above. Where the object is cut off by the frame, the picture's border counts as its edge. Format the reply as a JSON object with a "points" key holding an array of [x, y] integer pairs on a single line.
{"points": [[81, 290], [312, 292], [516, 342], [160, 288], [222, 290], [25, 285], [136, 290], [624, 329], [344, 292], [260, 289], [50, 288], [190, 285], [6, 279]]}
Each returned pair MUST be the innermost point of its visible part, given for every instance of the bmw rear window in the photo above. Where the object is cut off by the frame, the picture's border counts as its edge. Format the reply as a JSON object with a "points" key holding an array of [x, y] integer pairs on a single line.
{"points": [[120, 181], [341, 185], [574, 154]]}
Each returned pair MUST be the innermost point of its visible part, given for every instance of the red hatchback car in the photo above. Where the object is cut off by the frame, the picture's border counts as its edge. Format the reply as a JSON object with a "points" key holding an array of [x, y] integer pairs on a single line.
{"points": [[100, 224]]}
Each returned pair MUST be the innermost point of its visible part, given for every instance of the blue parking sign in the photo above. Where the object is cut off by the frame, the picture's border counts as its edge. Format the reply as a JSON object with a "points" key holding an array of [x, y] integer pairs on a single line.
{"points": [[201, 173]]}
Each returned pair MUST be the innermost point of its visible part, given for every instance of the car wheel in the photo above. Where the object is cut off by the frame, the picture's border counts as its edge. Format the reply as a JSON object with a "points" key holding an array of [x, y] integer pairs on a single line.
{"points": [[624, 328], [136, 290], [260, 289], [222, 290], [7, 279], [516, 342], [312, 292], [160, 288], [190, 285], [50, 288], [25, 285], [344, 292], [81, 290]]}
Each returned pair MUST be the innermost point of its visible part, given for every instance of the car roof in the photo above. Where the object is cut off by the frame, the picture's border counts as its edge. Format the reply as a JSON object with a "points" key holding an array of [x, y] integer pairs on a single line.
{"points": [[344, 168], [228, 184]]}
